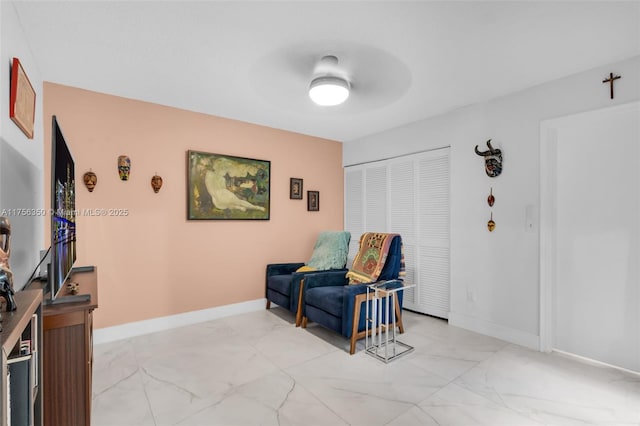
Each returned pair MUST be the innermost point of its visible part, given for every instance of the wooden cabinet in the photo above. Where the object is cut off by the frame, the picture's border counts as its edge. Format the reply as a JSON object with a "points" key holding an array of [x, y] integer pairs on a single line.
{"points": [[21, 361], [68, 356]]}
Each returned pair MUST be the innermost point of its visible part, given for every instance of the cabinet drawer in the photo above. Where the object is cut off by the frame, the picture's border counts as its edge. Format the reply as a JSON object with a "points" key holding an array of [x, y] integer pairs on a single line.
{"points": [[63, 320]]}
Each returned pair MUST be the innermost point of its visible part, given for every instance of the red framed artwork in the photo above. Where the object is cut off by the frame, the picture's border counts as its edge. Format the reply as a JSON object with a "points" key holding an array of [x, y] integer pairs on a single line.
{"points": [[22, 102]]}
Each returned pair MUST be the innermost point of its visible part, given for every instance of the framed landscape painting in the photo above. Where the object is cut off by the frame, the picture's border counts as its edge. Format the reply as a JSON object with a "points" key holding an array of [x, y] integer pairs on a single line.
{"points": [[225, 187]]}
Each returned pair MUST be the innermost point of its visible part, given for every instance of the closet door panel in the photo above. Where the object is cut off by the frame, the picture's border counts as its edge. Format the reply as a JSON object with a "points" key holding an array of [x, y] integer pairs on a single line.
{"points": [[409, 196], [402, 218], [354, 209], [376, 194], [433, 218]]}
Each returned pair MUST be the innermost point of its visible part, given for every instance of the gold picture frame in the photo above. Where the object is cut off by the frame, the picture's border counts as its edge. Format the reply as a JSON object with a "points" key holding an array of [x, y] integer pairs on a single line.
{"points": [[22, 100], [224, 187]]}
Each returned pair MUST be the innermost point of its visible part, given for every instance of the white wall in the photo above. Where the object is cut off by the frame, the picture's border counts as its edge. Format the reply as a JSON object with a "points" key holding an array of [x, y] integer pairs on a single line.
{"points": [[21, 159], [595, 246], [499, 270]]}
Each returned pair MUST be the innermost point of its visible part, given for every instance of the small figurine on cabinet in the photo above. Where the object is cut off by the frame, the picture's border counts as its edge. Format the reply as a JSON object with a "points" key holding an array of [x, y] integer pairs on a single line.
{"points": [[90, 180], [6, 276], [156, 183], [7, 292], [124, 167], [73, 287]]}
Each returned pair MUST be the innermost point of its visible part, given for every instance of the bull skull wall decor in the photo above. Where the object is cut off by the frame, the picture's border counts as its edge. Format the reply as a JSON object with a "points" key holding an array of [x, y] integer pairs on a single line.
{"points": [[492, 160]]}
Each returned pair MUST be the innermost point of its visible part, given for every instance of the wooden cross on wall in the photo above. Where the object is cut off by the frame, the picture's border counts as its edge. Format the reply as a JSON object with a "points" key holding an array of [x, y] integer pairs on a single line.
{"points": [[610, 80]]}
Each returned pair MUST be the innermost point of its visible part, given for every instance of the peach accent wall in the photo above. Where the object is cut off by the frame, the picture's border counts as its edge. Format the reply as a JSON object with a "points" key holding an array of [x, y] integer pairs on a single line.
{"points": [[154, 262]]}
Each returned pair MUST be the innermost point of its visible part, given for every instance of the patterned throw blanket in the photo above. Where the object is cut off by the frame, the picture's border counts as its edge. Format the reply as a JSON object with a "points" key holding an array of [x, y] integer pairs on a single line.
{"points": [[368, 264]]}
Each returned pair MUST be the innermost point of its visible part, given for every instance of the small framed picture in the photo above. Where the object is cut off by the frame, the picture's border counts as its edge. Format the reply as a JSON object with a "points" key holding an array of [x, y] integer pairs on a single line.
{"points": [[22, 99], [295, 189], [313, 201]]}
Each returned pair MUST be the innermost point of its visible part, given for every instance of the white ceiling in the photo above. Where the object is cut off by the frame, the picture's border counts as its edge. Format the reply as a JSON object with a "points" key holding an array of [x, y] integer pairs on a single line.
{"points": [[253, 61]]}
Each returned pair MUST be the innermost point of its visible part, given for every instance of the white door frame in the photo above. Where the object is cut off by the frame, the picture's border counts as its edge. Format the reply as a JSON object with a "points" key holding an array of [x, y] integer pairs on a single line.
{"points": [[548, 160], [548, 170]]}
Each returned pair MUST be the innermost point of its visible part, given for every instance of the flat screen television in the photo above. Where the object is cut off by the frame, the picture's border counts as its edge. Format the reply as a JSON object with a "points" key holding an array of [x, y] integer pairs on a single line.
{"points": [[63, 212]]}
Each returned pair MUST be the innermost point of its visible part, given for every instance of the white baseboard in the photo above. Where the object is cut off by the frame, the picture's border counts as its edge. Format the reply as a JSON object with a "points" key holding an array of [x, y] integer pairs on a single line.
{"points": [[594, 362], [518, 337], [125, 331]]}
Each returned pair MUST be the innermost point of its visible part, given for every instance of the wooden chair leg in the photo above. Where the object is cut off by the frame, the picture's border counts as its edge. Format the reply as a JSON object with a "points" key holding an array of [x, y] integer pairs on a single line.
{"points": [[304, 322], [352, 349], [268, 303], [355, 321], [299, 310]]}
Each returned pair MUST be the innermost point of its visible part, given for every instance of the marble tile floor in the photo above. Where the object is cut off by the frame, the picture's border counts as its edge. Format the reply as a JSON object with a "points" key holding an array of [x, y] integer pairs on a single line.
{"points": [[259, 369]]}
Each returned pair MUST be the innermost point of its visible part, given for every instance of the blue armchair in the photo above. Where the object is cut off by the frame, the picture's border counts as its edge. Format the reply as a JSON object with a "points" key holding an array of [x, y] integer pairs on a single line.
{"points": [[329, 300], [283, 281]]}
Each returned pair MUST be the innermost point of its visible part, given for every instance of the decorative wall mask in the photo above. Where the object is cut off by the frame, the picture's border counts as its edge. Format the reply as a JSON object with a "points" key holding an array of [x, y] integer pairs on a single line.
{"points": [[492, 160], [491, 199], [124, 167], [156, 183], [491, 225], [90, 180]]}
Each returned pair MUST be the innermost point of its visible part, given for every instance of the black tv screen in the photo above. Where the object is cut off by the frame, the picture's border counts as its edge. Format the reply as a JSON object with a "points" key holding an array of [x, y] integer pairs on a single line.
{"points": [[63, 205]]}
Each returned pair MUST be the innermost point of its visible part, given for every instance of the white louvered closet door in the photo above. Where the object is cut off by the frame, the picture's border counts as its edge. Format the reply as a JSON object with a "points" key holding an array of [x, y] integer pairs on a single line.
{"points": [[354, 209], [433, 222], [402, 219], [407, 195]]}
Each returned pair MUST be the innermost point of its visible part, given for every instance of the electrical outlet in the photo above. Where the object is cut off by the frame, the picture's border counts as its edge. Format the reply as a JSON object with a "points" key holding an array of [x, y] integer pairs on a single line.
{"points": [[530, 218]]}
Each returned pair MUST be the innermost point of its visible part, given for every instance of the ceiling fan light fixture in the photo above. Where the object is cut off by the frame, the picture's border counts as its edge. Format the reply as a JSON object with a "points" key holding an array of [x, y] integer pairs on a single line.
{"points": [[329, 90]]}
